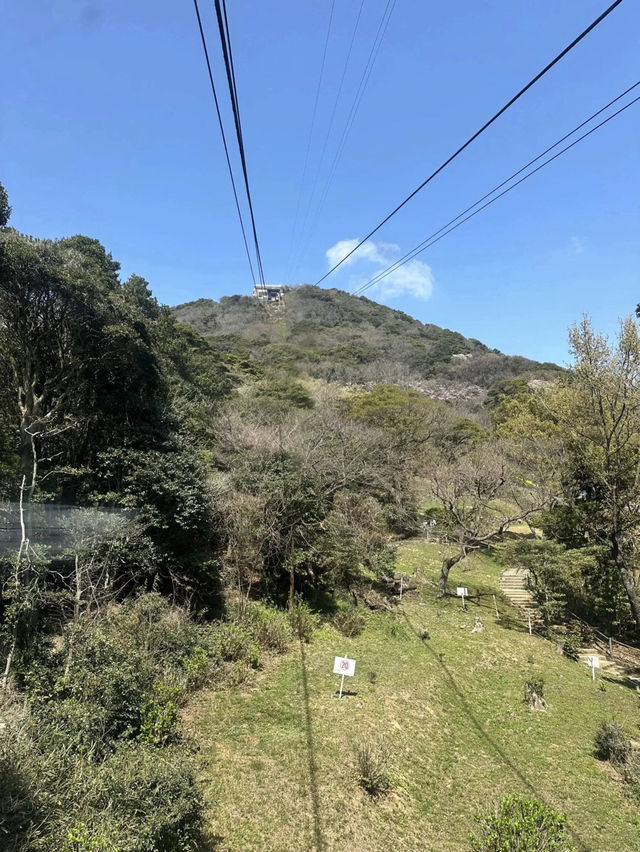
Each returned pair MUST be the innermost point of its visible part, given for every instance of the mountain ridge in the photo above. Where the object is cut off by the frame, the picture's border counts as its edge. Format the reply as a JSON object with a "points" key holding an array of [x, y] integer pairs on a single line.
{"points": [[333, 335]]}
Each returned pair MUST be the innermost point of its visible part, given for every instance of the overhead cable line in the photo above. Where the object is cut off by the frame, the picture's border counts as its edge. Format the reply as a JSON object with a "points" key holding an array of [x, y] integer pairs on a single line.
{"points": [[224, 138], [311, 129], [416, 250], [472, 138], [225, 40], [442, 232], [329, 129], [353, 111]]}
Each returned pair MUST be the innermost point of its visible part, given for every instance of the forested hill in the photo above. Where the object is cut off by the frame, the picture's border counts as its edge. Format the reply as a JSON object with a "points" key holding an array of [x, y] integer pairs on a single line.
{"points": [[334, 335]]}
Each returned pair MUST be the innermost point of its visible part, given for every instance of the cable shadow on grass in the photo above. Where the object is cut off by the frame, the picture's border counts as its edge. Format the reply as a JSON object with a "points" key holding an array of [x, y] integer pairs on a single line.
{"points": [[484, 735], [318, 839]]}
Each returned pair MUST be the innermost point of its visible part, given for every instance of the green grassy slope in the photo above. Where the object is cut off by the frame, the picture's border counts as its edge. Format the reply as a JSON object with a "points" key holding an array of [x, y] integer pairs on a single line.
{"points": [[279, 755]]}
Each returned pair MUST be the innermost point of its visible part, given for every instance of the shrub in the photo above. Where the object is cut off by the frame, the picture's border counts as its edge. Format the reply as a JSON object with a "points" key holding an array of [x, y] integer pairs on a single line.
{"points": [[303, 621], [523, 824], [611, 744], [232, 643], [100, 698], [571, 647], [372, 769], [269, 627], [159, 725], [197, 666], [140, 799], [349, 622], [631, 771], [19, 809], [153, 800]]}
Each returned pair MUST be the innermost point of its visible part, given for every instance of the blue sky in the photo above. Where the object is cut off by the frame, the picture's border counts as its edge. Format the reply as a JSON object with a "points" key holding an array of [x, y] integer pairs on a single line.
{"points": [[107, 128]]}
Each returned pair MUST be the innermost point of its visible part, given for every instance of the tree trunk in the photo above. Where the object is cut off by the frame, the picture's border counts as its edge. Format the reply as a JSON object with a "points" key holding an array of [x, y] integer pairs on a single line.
{"points": [[23, 546], [447, 565], [628, 580], [292, 583]]}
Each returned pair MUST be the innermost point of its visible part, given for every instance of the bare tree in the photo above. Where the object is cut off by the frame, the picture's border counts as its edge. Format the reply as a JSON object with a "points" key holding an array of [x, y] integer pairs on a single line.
{"points": [[482, 494]]}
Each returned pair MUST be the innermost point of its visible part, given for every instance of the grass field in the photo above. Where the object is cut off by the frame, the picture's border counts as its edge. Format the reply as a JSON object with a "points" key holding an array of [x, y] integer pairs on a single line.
{"points": [[279, 755]]}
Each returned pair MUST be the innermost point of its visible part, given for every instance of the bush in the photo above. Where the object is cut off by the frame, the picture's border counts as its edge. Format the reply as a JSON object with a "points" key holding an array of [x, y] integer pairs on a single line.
{"points": [[159, 725], [372, 769], [523, 824], [631, 771], [153, 798], [100, 698], [349, 622], [19, 810], [611, 744], [269, 627], [232, 642], [571, 647], [140, 799], [303, 621], [197, 666]]}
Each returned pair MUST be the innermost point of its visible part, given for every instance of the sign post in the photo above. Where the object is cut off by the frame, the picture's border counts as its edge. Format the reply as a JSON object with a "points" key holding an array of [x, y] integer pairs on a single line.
{"points": [[343, 666], [529, 615], [594, 663], [462, 591]]}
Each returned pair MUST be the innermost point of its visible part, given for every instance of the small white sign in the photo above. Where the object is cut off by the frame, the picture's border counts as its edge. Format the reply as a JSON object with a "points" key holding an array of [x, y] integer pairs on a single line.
{"points": [[462, 592], [344, 666], [593, 662]]}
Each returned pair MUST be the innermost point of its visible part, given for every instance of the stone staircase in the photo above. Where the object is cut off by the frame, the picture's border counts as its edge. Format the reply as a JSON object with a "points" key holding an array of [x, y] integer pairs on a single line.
{"points": [[513, 585], [606, 665]]}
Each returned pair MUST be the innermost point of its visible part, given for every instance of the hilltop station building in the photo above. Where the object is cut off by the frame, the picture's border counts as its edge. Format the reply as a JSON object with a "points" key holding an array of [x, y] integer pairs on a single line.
{"points": [[269, 293]]}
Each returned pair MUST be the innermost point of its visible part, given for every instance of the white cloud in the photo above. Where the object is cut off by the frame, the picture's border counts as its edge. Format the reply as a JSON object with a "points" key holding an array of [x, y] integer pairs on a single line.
{"points": [[414, 277], [577, 245]]}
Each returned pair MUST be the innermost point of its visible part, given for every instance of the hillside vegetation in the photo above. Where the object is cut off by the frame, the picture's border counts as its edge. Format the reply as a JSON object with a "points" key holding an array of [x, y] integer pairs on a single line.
{"points": [[334, 335], [188, 495]]}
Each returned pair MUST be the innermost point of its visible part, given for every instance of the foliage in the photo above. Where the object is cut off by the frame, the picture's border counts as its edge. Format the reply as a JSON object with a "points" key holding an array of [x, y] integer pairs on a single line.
{"points": [[159, 722], [505, 388], [233, 642], [269, 627], [140, 799], [526, 825], [336, 336], [307, 504], [598, 413], [303, 621], [611, 744], [349, 621], [5, 209], [284, 393], [556, 575], [481, 494], [571, 647]]}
